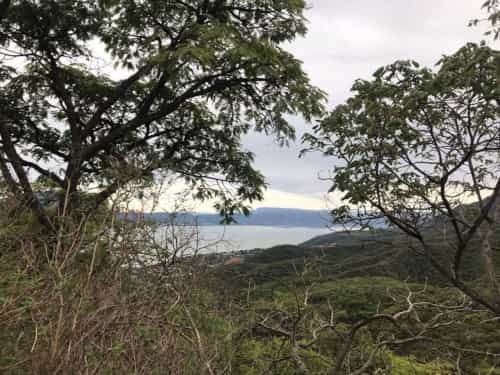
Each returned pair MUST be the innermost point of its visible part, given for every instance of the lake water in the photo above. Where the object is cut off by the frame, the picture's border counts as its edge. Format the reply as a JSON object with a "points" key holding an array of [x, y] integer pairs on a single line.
{"points": [[219, 238]]}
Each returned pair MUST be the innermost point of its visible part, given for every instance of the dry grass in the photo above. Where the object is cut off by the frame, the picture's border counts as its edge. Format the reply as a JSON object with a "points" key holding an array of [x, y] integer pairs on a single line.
{"points": [[107, 298]]}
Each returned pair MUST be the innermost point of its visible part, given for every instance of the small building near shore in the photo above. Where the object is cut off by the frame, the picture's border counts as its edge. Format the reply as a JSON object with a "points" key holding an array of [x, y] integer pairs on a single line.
{"points": [[234, 260]]}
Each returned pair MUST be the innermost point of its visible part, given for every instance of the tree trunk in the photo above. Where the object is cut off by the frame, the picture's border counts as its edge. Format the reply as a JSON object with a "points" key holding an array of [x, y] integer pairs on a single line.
{"points": [[487, 238]]}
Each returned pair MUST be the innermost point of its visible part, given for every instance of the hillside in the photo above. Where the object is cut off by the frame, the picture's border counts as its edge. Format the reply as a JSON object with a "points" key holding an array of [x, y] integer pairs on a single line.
{"points": [[358, 273], [351, 254], [350, 238], [350, 257]]}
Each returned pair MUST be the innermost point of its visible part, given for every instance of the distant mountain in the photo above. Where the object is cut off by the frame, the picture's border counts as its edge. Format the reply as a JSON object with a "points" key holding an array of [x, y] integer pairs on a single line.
{"points": [[282, 217]]}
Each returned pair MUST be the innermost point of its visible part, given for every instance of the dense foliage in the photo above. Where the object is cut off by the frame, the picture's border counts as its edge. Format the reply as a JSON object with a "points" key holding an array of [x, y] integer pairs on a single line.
{"points": [[191, 78], [413, 146]]}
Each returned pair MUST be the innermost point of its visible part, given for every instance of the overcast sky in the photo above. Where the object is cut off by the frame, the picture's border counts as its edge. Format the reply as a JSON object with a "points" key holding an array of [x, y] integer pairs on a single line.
{"points": [[349, 40]]}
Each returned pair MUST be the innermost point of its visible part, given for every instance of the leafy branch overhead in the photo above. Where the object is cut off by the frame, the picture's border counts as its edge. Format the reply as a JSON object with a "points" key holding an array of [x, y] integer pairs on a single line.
{"points": [[493, 19], [197, 75]]}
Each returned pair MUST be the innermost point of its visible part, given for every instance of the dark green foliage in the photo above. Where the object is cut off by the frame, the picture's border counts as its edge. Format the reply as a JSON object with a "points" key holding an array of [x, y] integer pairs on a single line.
{"points": [[355, 253], [199, 75], [413, 146], [409, 128]]}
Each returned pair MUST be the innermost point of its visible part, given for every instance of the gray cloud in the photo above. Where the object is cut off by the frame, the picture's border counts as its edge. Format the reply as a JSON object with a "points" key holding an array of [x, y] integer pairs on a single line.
{"points": [[349, 40]]}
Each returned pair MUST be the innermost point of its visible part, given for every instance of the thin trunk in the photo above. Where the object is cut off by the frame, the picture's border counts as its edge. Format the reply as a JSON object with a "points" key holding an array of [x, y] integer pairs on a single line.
{"points": [[69, 201], [29, 196], [487, 237]]}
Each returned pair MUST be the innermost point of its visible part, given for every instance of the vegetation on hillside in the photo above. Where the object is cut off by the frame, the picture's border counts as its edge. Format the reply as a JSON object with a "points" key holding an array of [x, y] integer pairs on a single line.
{"points": [[83, 291]]}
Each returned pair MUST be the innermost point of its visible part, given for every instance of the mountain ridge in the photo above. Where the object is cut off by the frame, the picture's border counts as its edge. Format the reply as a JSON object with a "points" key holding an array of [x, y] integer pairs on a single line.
{"points": [[265, 216]]}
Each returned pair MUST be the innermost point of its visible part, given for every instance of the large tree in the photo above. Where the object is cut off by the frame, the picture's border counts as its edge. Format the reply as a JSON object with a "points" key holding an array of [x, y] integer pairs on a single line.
{"points": [[195, 75], [417, 146]]}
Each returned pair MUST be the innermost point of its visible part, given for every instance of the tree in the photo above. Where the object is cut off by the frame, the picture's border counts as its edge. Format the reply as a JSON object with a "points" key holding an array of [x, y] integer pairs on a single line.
{"points": [[416, 147], [198, 74], [493, 9]]}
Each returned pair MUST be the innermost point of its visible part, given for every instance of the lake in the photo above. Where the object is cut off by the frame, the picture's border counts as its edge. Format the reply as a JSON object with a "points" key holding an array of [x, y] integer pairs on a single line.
{"points": [[220, 238]]}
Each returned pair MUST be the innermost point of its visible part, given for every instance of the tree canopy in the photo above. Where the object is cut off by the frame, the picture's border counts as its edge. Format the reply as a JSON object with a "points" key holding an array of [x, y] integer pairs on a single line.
{"points": [[414, 145], [193, 77], [493, 9]]}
